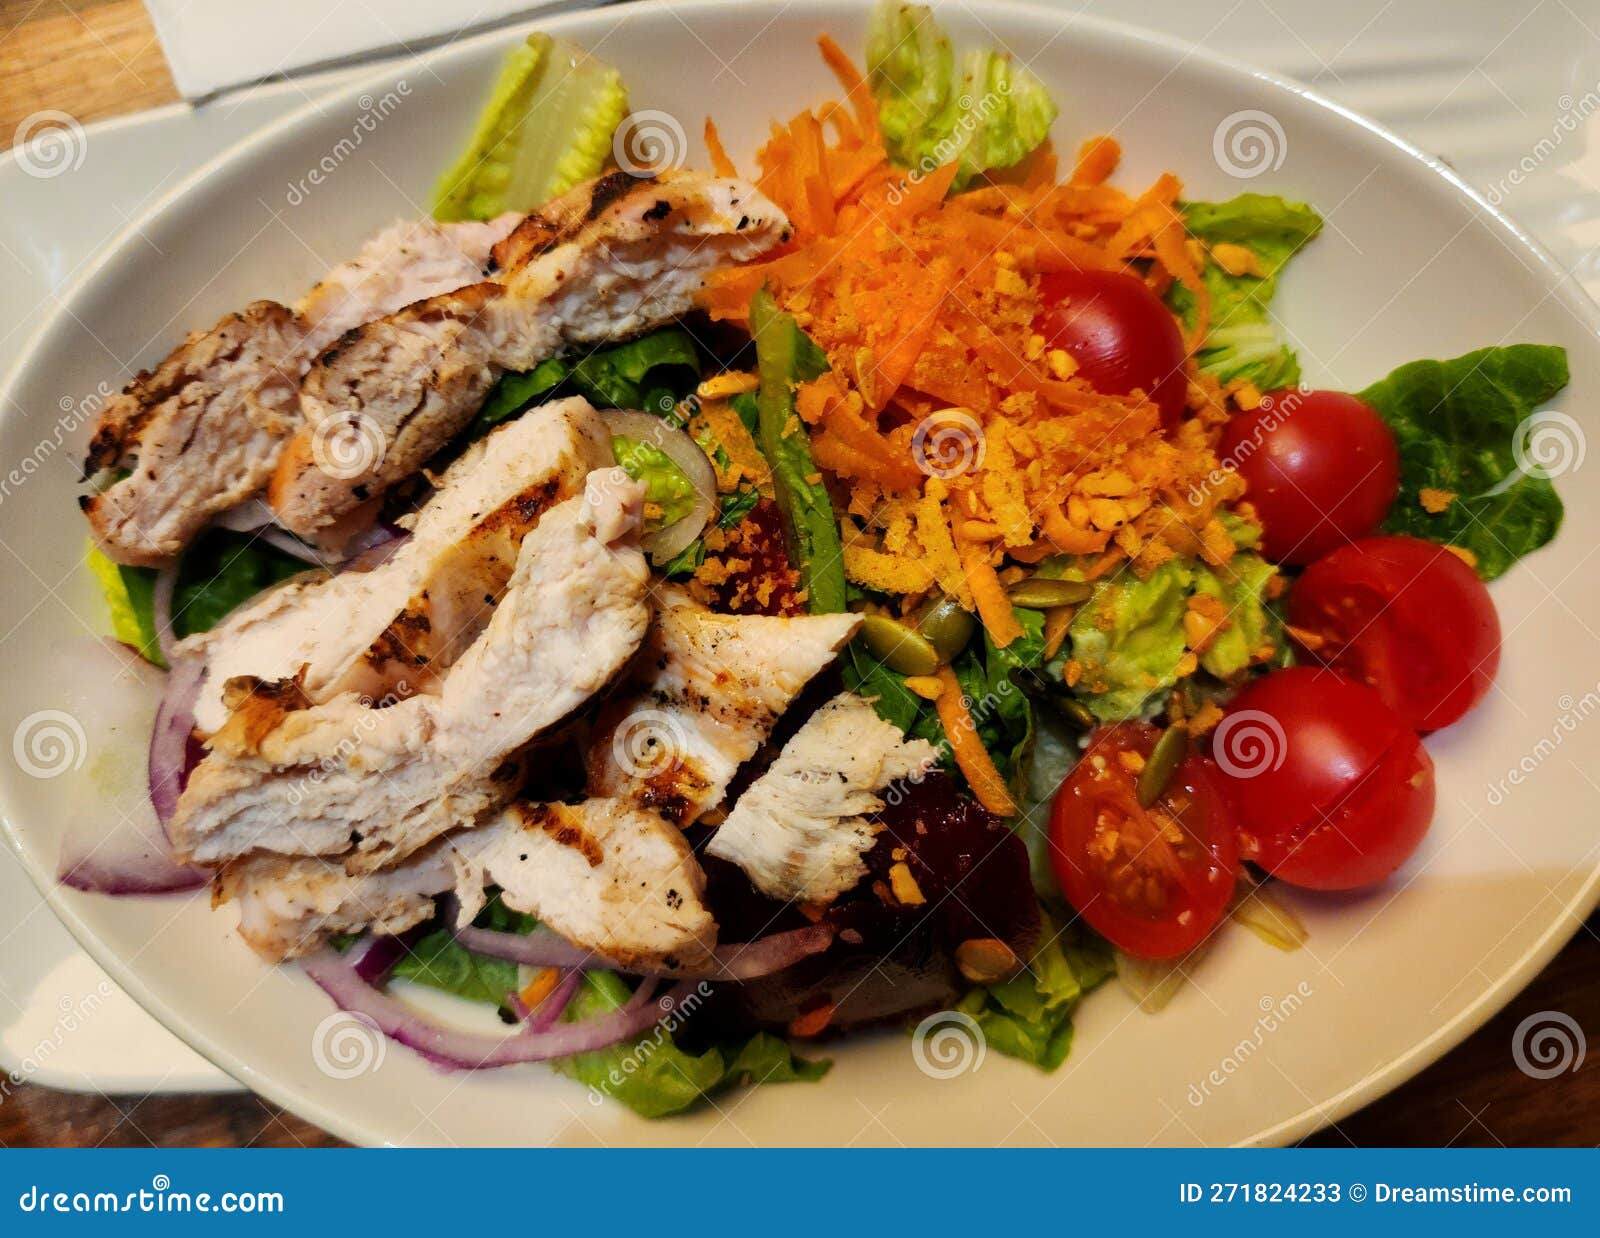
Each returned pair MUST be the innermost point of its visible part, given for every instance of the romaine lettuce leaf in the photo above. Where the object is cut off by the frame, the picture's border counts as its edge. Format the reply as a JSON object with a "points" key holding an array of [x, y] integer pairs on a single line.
{"points": [[221, 571], [1242, 341], [993, 117], [439, 961], [128, 592], [652, 372], [1030, 1015], [654, 1077], [665, 484], [1460, 426], [547, 125]]}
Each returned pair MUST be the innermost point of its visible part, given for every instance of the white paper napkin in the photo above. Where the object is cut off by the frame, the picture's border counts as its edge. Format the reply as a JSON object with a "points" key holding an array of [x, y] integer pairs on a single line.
{"points": [[214, 44]]}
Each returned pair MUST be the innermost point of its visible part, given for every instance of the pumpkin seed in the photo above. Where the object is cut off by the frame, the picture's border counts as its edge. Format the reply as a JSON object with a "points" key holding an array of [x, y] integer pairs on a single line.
{"points": [[1042, 593], [947, 626], [1161, 764], [899, 647]]}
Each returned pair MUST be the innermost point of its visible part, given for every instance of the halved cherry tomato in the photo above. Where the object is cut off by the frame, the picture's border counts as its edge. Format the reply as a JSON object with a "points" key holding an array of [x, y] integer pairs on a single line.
{"points": [[1407, 618], [1329, 787], [1322, 470], [1120, 334], [1153, 881]]}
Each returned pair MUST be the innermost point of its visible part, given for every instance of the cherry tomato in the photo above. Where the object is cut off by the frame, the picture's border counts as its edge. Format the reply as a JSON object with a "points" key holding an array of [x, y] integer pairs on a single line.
{"points": [[1406, 617], [1329, 787], [1119, 333], [1153, 881], [1322, 469]]}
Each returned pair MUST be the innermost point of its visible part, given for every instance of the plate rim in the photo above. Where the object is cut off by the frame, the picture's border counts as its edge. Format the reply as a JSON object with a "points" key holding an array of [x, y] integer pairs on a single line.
{"points": [[1561, 283]]}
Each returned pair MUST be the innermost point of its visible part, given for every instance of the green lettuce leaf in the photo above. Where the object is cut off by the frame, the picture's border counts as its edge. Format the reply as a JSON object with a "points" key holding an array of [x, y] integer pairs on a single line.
{"points": [[1459, 425], [654, 1077], [1030, 1015], [1129, 635], [129, 594], [221, 571], [653, 372], [547, 125], [441, 962], [993, 117], [1242, 341], [785, 356]]}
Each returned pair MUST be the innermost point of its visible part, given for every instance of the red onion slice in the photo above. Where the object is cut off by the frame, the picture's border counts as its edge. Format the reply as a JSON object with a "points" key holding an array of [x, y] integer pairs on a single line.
{"points": [[744, 961], [118, 845], [683, 451], [165, 587], [460, 1050], [171, 737]]}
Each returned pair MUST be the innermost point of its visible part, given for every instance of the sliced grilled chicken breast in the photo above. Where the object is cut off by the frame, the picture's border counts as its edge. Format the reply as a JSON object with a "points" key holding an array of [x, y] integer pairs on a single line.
{"points": [[395, 628], [203, 432], [287, 776], [800, 830], [616, 258], [606, 874], [288, 906], [709, 691]]}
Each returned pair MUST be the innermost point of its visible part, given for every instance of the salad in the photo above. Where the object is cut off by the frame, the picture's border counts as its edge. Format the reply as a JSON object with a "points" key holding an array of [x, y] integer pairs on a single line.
{"points": [[702, 613]]}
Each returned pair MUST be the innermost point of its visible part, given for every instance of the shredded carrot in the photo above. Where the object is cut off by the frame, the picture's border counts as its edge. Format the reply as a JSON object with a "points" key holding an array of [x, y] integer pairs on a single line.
{"points": [[926, 303], [812, 1022], [972, 758], [1056, 622], [994, 607], [720, 163], [540, 987]]}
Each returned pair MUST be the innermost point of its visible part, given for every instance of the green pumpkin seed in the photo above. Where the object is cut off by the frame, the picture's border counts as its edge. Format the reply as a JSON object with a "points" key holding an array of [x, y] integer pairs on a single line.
{"points": [[1073, 712], [1161, 764], [1041, 593], [947, 626], [899, 647]]}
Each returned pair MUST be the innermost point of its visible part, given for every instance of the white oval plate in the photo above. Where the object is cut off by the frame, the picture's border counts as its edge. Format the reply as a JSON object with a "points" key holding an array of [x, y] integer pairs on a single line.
{"points": [[1264, 1046]]}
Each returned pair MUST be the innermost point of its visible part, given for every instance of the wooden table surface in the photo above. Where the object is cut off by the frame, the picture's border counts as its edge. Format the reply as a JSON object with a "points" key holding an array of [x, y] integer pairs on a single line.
{"points": [[97, 58]]}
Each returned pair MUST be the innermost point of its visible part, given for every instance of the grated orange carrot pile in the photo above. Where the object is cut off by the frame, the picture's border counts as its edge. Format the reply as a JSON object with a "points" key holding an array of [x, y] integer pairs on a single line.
{"points": [[954, 437]]}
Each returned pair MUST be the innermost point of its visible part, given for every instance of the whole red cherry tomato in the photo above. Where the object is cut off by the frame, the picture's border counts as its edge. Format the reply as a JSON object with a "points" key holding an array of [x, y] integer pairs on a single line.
{"points": [[1322, 470], [1119, 332], [1329, 787], [1407, 618]]}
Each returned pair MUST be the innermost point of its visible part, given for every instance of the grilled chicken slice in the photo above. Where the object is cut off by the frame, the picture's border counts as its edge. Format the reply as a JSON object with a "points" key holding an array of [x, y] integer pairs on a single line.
{"points": [[198, 435], [395, 628], [711, 689], [290, 906], [615, 258], [340, 777], [203, 432], [800, 831], [607, 875]]}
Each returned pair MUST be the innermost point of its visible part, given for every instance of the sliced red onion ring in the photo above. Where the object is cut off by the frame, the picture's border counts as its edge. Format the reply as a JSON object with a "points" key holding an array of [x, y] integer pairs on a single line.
{"points": [[460, 1050], [683, 451], [544, 1015], [166, 586], [745, 961], [118, 845], [171, 737]]}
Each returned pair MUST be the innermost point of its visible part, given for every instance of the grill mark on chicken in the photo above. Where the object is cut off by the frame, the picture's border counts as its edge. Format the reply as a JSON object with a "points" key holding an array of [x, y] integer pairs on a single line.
{"points": [[552, 820]]}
